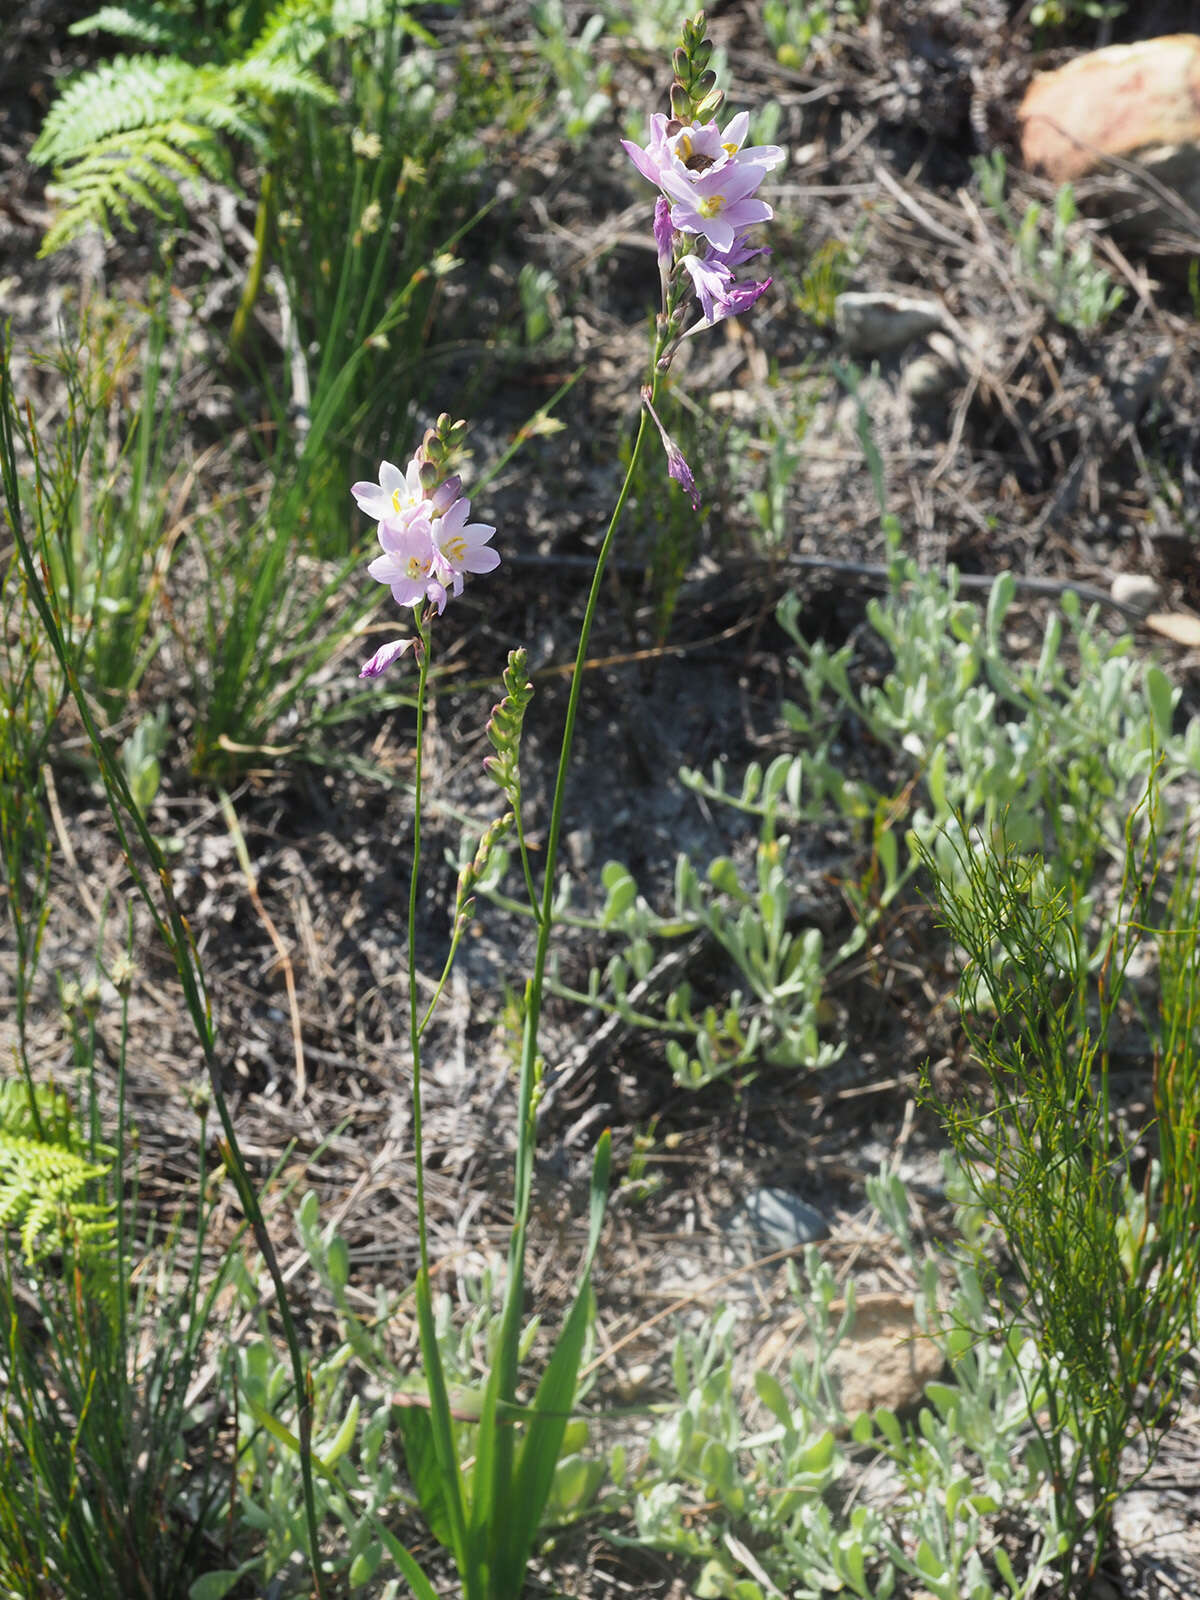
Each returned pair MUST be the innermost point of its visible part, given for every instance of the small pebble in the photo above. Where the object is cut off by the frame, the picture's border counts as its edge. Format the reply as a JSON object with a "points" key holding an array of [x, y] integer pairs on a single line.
{"points": [[1137, 590], [777, 1219], [873, 324]]}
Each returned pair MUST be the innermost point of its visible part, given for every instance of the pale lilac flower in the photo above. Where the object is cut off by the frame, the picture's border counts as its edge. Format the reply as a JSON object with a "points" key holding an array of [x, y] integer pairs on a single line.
{"points": [[719, 295], [399, 496], [462, 546], [710, 279], [696, 148], [664, 233], [677, 466], [411, 564], [657, 156], [385, 655], [699, 147], [718, 203]]}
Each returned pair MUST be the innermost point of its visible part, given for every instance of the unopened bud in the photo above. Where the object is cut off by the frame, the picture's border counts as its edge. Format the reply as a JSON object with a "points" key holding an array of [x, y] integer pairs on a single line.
{"points": [[709, 106], [683, 67], [681, 103], [443, 424], [702, 54], [429, 475], [704, 84]]}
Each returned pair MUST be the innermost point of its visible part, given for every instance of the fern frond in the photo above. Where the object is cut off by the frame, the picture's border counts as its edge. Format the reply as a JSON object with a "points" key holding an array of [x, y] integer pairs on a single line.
{"points": [[53, 1112], [278, 80], [142, 169], [42, 1189], [118, 96], [295, 31], [145, 24]]}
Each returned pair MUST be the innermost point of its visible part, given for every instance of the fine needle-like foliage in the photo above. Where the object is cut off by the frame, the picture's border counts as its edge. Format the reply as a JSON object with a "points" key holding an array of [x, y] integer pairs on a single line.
{"points": [[1101, 1265]]}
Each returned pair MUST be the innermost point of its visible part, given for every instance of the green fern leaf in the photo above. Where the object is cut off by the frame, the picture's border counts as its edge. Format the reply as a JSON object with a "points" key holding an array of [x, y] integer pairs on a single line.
{"points": [[42, 1191], [143, 169], [118, 96], [295, 31], [144, 24], [278, 80]]}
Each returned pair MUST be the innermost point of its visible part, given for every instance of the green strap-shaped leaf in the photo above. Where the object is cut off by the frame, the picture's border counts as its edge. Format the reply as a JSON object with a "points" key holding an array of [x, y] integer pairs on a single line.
{"points": [[538, 1455]]}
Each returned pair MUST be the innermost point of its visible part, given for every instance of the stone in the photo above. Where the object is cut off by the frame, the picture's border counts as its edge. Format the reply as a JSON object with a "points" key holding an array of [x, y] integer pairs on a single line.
{"points": [[935, 371], [885, 1359], [1140, 102], [1135, 589], [777, 1219], [878, 324]]}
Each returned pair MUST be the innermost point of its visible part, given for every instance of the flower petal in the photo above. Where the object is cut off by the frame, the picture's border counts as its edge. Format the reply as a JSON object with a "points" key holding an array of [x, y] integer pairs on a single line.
{"points": [[385, 655]]}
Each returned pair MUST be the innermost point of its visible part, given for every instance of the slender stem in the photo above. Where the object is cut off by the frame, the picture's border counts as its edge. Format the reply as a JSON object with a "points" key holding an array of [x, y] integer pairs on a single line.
{"points": [[514, 1293], [262, 243], [435, 1377], [525, 866], [415, 1024]]}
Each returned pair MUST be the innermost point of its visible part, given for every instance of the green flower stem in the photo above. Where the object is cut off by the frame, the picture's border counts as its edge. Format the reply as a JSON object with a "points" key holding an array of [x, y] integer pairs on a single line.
{"points": [[518, 810], [439, 1399], [455, 938], [254, 277], [415, 1024], [505, 1379]]}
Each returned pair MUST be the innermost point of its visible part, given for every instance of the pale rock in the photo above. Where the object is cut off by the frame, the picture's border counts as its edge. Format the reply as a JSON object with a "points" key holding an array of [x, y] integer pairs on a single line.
{"points": [[1135, 589], [877, 324], [1139, 102], [935, 372], [885, 1359], [776, 1219]]}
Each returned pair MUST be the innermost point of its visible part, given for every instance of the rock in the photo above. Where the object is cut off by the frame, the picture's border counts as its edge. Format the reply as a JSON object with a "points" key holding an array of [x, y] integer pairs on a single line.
{"points": [[885, 1359], [1135, 589], [1140, 102], [935, 372], [777, 1219], [875, 324]]}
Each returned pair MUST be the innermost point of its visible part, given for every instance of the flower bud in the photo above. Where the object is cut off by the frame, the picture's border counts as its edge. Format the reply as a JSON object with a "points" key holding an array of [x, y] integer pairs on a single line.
{"points": [[429, 476], [709, 106], [702, 54], [704, 84], [681, 103], [683, 68]]}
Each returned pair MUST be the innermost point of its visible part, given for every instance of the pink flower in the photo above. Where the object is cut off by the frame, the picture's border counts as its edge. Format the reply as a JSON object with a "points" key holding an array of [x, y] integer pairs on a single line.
{"points": [[399, 496], [657, 156], [462, 546], [677, 466], [719, 203], [664, 233], [696, 148], [385, 655], [411, 564], [427, 543], [719, 295]]}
